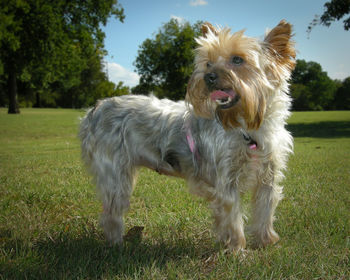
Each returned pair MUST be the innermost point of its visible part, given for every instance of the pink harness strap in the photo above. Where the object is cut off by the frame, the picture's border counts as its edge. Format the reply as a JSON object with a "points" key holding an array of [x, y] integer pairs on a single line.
{"points": [[190, 141], [253, 146]]}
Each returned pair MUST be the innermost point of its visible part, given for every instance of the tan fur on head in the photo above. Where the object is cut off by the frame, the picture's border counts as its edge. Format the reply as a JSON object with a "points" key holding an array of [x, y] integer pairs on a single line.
{"points": [[265, 69], [206, 27], [281, 46]]}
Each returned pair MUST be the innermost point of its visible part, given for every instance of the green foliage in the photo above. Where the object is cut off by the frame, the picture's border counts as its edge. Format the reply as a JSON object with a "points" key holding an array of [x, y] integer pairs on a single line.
{"points": [[311, 87], [49, 211], [165, 62], [342, 96], [334, 10], [121, 89], [53, 41]]}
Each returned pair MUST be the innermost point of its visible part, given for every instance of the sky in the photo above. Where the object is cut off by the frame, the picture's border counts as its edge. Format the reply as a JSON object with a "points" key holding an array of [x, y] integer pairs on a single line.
{"points": [[328, 46]]}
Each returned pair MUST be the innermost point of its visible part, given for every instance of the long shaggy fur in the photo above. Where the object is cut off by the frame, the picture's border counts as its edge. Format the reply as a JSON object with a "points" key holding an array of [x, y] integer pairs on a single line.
{"points": [[198, 141]]}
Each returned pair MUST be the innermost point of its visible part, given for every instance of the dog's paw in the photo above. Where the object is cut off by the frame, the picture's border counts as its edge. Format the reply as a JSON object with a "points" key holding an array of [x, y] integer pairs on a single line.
{"points": [[265, 238]]}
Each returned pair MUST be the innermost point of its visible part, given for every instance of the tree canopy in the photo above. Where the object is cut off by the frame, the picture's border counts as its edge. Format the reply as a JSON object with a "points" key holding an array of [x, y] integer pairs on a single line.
{"points": [[312, 89], [334, 10], [342, 96], [165, 63], [47, 45]]}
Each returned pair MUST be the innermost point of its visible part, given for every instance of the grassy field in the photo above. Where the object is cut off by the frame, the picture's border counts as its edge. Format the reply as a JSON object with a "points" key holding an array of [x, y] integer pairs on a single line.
{"points": [[49, 211]]}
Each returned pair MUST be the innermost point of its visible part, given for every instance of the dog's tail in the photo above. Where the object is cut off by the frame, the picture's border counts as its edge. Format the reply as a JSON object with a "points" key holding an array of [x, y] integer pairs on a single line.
{"points": [[86, 136]]}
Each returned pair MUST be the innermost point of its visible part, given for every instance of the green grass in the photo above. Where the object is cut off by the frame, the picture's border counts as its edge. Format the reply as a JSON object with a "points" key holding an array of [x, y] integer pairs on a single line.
{"points": [[49, 211]]}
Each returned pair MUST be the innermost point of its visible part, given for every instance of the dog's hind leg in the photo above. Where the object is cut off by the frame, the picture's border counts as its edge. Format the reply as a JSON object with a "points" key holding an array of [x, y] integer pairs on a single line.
{"points": [[115, 186]]}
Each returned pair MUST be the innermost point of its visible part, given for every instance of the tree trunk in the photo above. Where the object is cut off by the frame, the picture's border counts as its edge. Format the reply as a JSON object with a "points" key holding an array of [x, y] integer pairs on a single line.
{"points": [[12, 91], [37, 100]]}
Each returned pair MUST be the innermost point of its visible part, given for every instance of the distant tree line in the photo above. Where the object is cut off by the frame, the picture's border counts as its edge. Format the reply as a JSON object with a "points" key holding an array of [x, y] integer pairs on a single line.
{"points": [[51, 55], [312, 89], [51, 52]]}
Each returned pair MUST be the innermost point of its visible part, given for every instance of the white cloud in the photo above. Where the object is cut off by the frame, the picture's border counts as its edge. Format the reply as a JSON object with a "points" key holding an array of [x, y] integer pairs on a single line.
{"points": [[339, 72], [195, 3], [117, 73], [339, 75], [180, 20]]}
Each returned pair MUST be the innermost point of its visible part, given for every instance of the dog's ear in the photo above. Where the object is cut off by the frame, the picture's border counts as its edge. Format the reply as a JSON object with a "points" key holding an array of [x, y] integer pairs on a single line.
{"points": [[280, 44], [206, 27]]}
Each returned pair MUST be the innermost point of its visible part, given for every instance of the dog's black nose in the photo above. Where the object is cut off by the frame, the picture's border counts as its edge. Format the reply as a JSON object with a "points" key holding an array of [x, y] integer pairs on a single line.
{"points": [[211, 79]]}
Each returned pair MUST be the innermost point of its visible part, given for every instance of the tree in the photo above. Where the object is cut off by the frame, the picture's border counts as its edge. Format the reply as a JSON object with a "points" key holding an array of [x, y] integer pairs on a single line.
{"points": [[334, 10], [311, 87], [91, 83], [165, 62], [342, 96], [46, 41], [120, 89]]}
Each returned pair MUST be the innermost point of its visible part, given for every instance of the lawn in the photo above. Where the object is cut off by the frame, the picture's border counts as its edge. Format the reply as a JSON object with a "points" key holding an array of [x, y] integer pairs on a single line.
{"points": [[49, 211]]}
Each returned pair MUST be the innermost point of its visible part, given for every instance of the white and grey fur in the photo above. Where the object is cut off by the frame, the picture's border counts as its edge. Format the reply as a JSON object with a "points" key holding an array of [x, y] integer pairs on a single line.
{"points": [[124, 133]]}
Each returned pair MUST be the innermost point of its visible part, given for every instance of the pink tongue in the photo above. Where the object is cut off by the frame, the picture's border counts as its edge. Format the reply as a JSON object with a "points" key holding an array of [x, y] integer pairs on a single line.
{"points": [[219, 94]]}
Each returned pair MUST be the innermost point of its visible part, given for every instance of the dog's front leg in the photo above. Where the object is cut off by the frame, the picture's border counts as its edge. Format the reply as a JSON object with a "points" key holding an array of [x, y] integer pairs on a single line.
{"points": [[228, 221], [265, 200]]}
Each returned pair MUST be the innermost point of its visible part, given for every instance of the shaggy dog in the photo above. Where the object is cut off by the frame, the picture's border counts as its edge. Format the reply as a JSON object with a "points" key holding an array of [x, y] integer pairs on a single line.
{"points": [[228, 138]]}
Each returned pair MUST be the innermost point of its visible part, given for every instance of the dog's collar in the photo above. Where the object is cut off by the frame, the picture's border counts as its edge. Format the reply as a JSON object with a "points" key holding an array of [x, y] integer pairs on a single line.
{"points": [[252, 144]]}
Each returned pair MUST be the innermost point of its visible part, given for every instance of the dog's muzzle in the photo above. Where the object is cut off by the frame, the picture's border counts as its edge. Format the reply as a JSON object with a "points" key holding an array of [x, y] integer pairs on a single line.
{"points": [[225, 98]]}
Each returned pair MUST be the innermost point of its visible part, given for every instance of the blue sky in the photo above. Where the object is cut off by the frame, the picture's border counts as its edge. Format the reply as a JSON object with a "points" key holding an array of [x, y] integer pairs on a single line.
{"points": [[328, 46]]}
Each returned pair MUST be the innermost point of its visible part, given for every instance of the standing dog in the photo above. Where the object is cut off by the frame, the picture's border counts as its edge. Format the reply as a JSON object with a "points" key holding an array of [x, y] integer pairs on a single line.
{"points": [[230, 137]]}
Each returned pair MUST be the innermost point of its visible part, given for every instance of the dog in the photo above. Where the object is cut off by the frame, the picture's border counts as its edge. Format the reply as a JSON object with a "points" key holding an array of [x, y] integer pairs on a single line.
{"points": [[227, 138]]}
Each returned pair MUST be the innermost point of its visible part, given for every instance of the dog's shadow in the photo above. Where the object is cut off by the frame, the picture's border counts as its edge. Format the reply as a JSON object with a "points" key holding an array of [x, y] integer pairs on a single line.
{"points": [[89, 257]]}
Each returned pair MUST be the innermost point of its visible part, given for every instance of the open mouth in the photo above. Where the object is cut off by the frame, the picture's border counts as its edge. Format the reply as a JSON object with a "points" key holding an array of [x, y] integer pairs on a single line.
{"points": [[225, 98]]}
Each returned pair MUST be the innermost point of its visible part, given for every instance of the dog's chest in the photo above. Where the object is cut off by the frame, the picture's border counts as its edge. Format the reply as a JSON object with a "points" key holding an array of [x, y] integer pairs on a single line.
{"points": [[230, 156]]}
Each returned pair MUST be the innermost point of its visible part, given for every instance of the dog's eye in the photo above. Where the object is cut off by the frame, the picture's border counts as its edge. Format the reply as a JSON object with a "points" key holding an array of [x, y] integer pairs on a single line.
{"points": [[237, 60], [209, 64]]}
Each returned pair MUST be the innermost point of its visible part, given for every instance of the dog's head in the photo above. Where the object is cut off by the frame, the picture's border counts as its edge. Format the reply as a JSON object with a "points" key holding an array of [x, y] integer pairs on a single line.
{"points": [[235, 75]]}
